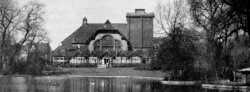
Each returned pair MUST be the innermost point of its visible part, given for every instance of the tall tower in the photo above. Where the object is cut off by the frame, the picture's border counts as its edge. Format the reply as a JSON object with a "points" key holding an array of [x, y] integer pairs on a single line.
{"points": [[140, 25]]}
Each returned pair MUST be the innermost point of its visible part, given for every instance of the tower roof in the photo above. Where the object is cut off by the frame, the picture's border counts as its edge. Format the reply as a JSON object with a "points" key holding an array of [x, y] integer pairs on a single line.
{"points": [[140, 13]]}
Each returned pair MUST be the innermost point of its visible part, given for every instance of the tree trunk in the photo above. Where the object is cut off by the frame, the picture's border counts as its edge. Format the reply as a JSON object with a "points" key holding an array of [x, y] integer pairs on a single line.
{"points": [[234, 73]]}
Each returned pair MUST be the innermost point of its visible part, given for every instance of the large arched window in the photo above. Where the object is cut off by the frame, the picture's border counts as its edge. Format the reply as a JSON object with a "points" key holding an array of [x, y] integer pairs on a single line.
{"points": [[107, 43]]}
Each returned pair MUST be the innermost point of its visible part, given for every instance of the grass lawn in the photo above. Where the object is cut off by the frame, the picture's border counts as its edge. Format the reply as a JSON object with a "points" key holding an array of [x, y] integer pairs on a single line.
{"points": [[114, 72]]}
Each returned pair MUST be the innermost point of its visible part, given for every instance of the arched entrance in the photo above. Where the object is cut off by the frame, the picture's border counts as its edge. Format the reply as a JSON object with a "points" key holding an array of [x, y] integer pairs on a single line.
{"points": [[107, 61], [105, 43], [108, 41]]}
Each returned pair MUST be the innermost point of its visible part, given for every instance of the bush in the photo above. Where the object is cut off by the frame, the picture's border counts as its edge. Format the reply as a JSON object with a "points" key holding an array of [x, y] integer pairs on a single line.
{"points": [[34, 67], [187, 75], [25, 67], [177, 54], [155, 65]]}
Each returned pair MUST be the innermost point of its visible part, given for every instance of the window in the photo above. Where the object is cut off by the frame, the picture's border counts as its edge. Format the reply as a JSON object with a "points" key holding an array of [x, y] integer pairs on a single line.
{"points": [[107, 43]]}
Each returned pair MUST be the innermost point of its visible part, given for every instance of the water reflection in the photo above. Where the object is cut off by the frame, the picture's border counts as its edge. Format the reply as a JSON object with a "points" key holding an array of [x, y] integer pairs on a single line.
{"points": [[63, 84], [107, 85]]}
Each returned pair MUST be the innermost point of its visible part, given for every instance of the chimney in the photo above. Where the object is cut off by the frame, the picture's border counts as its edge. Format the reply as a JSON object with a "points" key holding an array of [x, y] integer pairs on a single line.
{"points": [[84, 21], [140, 11]]}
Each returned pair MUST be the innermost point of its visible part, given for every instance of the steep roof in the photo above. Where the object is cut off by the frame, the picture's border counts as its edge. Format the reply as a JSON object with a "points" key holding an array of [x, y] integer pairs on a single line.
{"points": [[122, 28], [84, 33], [59, 51]]}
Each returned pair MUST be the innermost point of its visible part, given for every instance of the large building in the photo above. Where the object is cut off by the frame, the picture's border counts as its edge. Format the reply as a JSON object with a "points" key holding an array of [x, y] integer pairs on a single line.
{"points": [[106, 41]]}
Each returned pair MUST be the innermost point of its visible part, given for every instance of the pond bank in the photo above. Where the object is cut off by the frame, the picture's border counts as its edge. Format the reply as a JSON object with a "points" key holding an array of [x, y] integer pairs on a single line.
{"points": [[214, 86], [224, 86], [182, 83], [128, 71]]}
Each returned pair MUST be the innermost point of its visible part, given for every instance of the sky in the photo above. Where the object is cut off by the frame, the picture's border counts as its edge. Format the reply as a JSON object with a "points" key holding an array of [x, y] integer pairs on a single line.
{"points": [[63, 17]]}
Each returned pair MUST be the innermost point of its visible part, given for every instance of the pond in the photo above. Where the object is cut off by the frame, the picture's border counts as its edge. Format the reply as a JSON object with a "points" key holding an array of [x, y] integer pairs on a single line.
{"points": [[92, 84]]}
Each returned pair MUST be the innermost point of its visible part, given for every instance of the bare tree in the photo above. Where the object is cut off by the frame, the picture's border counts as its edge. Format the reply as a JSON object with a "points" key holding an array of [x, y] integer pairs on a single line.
{"points": [[171, 14], [205, 15], [222, 24], [239, 11], [27, 22], [9, 19], [33, 24]]}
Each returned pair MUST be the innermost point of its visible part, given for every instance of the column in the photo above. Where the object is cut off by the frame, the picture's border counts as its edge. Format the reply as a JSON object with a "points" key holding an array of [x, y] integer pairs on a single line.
{"points": [[100, 44], [114, 45]]}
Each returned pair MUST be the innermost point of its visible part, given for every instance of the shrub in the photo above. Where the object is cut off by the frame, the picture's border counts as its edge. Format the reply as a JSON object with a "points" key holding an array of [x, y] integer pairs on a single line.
{"points": [[177, 54]]}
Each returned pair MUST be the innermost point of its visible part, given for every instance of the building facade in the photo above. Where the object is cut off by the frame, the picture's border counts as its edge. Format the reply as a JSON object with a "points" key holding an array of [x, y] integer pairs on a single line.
{"points": [[109, 42]]}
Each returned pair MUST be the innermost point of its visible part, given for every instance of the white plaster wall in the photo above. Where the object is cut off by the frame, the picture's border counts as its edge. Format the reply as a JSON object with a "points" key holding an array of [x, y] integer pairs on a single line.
{"points": [[77, 60], [124, 45], [93, 60], [136, 60], [55, 59]]}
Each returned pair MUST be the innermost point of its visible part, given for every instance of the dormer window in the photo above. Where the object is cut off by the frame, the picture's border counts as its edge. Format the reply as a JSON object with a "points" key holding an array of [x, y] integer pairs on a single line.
{"points": [[107, 25], [74, 40]]}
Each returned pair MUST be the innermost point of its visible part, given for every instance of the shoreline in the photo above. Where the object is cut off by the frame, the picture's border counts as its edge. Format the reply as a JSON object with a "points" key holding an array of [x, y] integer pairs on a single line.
{"points": [[83, 76], [97, 72], [182, 83], [126, 73], [160, 79], [224, 86]]}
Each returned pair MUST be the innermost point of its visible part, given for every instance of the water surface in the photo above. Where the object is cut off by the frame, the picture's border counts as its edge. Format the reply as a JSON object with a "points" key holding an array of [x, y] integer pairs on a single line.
{"points": [[93, 84]]}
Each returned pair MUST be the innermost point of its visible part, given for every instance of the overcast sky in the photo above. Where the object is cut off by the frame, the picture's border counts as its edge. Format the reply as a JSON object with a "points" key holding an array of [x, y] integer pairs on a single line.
{"points": [[64, 16]]}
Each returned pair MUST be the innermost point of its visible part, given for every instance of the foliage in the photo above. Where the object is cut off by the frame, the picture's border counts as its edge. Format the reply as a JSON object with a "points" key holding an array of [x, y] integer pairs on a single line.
{"points": [[155, 64], [239, 13], [177, 53], [34, 66], [21, 27], [224, 23]]}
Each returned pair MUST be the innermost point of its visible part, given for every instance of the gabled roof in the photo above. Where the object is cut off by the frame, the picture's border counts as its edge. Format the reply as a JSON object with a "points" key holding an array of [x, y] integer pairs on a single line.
{"points": [[122, 28], [84, 33], [59, 51]]}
